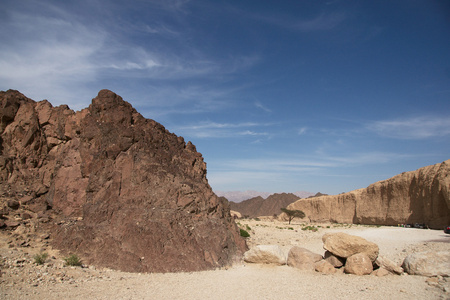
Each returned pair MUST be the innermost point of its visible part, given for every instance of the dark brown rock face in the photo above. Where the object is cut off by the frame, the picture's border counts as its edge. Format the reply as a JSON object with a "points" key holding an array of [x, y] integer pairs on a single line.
{"points": [[421, 196], [258, 206], [121, 190]]}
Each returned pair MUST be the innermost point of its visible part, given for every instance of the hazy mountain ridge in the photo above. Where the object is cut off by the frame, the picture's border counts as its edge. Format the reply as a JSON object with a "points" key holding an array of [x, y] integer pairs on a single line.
{"points": [[258, 206], [239, 196]]}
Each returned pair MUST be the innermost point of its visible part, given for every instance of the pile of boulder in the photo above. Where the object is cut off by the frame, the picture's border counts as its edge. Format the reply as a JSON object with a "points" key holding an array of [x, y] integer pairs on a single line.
{"points": [[351, 255]]}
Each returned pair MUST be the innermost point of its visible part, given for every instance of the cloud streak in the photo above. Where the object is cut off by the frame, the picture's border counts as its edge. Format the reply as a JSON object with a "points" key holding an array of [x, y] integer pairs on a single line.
{"points": [[321, 22], [293, 170], [222, 130], [47, 51], [414, 128], [263, 107], [294, 163]]}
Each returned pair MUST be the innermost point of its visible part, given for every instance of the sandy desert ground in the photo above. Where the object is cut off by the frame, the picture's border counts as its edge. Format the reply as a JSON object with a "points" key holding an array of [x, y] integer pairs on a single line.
{"points": [[21, 279]]}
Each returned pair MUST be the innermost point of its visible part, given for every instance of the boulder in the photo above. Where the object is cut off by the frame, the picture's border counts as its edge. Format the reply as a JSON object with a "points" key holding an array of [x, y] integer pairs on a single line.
{"points": [[358, 264], [265, 254], [345, 245], [325, 267], [428, 263], [388, 264], [334, 260], [302, 258]]}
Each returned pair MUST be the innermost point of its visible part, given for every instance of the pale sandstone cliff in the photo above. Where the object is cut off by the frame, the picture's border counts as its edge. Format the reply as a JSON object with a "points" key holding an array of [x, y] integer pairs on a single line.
{"points": [[421, 196]]}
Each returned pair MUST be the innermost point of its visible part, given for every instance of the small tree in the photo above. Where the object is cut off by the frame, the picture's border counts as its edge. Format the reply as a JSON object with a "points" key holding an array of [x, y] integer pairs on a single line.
{"points": [[293, 214]]}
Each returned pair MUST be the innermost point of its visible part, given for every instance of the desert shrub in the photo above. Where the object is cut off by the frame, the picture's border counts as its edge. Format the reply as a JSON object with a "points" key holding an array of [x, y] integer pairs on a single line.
{"points": [[247, 227], [73, 260], [290, 228], [312, 228], [244, 233], [40, 258], [257, 219]]}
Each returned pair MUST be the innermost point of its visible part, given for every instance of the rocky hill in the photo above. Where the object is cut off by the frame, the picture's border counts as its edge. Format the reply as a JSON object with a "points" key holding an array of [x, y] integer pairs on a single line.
{"points": [[239, 196], [113, 187], [258, 206], [421, 196]]}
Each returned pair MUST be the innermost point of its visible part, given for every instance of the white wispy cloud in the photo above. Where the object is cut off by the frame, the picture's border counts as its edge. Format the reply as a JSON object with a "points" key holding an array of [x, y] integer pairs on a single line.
{"points": [[308, 163], [47, 51], [302, 130], [412, 128], [215, 125], [48, 56], [321, 22], [271, 170], [221, 130], [263, 107]]}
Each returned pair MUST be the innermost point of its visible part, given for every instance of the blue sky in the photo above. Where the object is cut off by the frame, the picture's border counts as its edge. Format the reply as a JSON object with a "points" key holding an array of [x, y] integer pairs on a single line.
{"points": [[278, 96]]}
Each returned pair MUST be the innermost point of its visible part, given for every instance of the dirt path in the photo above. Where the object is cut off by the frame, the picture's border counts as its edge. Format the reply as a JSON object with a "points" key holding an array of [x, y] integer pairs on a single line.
{"points": [[242, 281]]}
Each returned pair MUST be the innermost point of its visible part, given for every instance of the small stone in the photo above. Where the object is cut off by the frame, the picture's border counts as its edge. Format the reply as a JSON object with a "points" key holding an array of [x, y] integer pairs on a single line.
{"points": [[358, 264], [324, 267], [433, 281], [335, 261], [13, 204], [380, 272]]}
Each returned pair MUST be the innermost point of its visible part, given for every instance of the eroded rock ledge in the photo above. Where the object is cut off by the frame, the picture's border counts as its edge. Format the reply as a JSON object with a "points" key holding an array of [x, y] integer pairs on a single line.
{"points": [[421, 196]]}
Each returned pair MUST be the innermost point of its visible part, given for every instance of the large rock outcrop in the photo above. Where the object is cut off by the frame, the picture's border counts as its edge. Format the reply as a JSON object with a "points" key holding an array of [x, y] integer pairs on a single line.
{"points": [[421, 196], [117, 189]]}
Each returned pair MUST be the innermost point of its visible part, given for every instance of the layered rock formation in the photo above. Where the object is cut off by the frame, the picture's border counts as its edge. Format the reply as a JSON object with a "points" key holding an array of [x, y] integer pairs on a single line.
{"points": [[258, 206], [421, 196], [117, 189]]}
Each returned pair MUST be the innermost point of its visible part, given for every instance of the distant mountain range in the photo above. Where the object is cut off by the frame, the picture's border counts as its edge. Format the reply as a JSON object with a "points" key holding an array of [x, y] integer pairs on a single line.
{"points": [[258, 206], [238, 196]]}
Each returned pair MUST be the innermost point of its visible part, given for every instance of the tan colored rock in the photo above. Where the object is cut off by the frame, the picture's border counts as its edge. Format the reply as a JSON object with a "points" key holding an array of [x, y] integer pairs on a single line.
{"points": [[433, 281], [421, 196], [388, 264], [428, 263], [345, 245], [335, 261], [265, 254], [380, 272], [302, 258], [325, 267], [235, 214], [358, 264]]}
